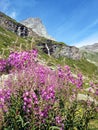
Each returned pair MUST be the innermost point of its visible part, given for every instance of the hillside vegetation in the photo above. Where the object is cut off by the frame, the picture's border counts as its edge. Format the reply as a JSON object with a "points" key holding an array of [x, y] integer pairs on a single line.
{"points": [[10, 42]]}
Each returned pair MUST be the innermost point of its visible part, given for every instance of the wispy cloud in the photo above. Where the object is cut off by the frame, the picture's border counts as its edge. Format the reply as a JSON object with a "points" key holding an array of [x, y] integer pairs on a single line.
{"points": [[91, 39], [88, 41], [6, 7], [85, 29], [14, 8], [13, 15]]}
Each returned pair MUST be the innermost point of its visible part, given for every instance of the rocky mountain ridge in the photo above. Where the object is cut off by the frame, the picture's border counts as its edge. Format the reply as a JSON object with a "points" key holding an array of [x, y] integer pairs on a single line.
{"points": [[37, 26]]}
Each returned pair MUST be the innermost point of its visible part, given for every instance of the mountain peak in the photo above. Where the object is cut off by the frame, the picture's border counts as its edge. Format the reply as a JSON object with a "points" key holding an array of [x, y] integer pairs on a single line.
{"points": [[33, 20], [37, 26]]}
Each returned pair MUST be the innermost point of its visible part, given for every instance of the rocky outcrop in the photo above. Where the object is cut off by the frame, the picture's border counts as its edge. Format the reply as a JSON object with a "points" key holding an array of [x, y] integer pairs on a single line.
{"points": [[10, 24], [37, 26], [58, 50], [70, 52]]}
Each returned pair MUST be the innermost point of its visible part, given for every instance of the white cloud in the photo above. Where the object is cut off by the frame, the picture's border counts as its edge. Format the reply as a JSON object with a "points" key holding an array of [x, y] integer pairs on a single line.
{"points": [[13, 15], [88, 41]]}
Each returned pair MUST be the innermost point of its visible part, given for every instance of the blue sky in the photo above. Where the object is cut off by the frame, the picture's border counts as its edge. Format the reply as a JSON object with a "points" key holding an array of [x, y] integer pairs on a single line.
{"points": [[74, 22]]}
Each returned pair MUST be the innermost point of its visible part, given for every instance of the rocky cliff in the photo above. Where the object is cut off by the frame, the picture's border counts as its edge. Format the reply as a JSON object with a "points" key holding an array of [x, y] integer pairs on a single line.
{"points": [[37, 26], [58, 49], [12, 25]]}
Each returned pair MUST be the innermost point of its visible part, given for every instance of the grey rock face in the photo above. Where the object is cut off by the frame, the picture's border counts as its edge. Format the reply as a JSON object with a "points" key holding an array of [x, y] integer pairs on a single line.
{"points": [[10, 24], [71, 52], [59, 50], [37, 27]]}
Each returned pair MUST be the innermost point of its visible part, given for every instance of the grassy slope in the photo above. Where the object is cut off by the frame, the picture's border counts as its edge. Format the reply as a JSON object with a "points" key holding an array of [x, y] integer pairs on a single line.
{"points": [[87, 68], [10, 41], [7, 17], [93, 57], [82, 65]]}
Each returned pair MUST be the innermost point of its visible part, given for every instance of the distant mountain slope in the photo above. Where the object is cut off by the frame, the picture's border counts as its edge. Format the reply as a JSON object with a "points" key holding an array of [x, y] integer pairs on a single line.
{"points": [[91, 53], [90, 48], [37, 26]]}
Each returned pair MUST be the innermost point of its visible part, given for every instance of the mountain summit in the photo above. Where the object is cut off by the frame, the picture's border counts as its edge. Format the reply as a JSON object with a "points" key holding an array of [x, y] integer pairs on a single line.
{"points": [[37, 26]]}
